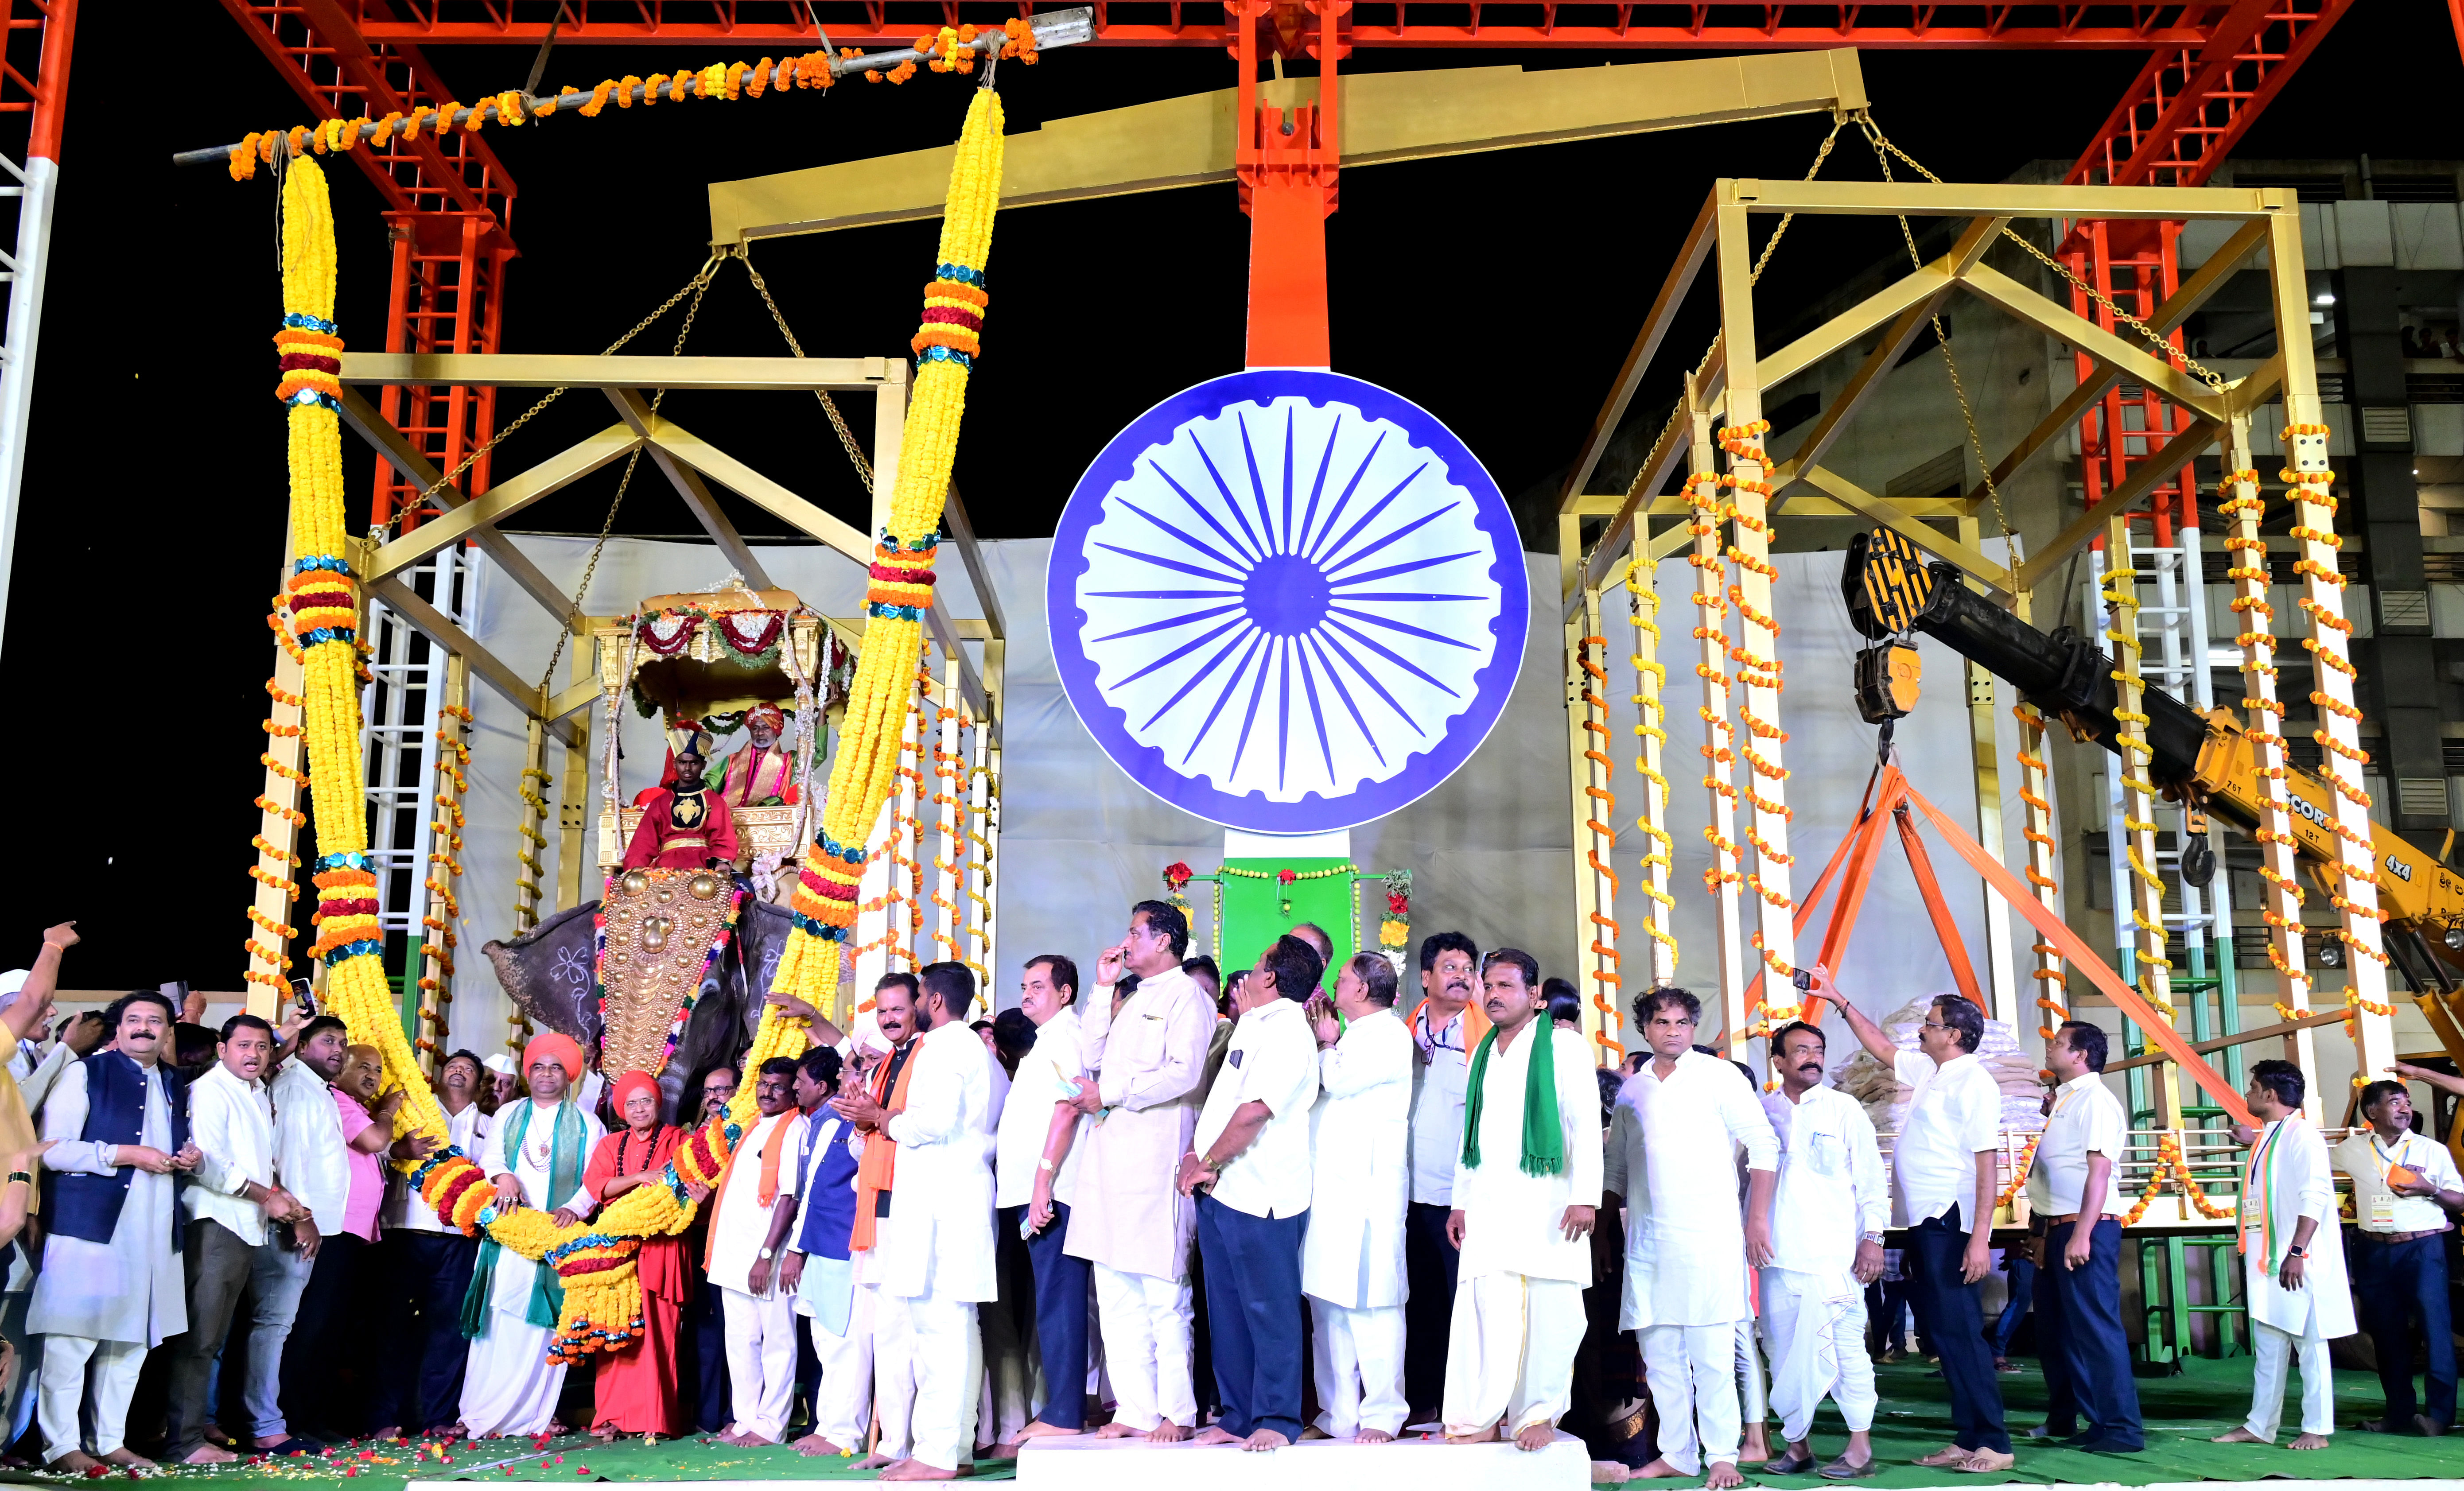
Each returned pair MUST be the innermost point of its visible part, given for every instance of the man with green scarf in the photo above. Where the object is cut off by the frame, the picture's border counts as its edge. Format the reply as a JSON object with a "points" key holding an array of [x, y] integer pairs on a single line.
{"points": [[1526, 1194], [535, 1155]]}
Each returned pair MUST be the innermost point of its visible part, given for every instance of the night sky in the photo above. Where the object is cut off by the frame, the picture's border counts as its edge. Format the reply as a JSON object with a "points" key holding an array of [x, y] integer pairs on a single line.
{"points": [[1499, 291]]}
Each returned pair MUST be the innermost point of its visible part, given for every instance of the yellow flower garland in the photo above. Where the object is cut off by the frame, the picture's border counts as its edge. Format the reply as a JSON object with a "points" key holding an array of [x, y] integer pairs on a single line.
{"points": [[596, 1261]]}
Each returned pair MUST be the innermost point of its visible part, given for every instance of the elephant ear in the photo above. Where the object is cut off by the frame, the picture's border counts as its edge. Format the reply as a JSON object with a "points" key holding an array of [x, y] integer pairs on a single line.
{"points": [[548, 973], [764, 935]]}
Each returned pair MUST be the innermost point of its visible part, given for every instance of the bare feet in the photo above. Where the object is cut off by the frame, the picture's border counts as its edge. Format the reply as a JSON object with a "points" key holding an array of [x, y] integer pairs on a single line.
{"points": [[1987, 1462], [603, 1433], [208, 1455], [1723, 1475], [1657, 1470], [393, 1431], [1314, 1432], [2309, 1442], [815, 1444], [1608, 1472], [1216, 1434], [1265, 1439], [1536, 1437], [125, 1455], [2240, 1436], [1037, 1429], [1118, 1430], [1167, 1432], [917, 1470], [457, 1432], [1487, 1435], [1756, 1447], [876, 1460], [76, 1462], [1369, 1437]]}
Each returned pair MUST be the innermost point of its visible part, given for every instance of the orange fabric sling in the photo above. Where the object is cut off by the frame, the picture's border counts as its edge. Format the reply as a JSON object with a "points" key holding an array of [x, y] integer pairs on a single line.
{"points": [[764, 1196], [874, 1172]]}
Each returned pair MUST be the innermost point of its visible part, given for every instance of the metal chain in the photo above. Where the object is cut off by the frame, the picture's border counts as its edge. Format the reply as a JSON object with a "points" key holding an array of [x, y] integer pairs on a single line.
{"points": [[2165, 348], [1812, 171], [829, 405], [693, 287], [1942, 340], [1763, 259], [699, 285]]}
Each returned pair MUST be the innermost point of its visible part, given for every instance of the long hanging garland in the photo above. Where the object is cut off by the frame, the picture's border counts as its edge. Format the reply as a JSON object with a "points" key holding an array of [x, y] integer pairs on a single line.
{"points": [[867, 765], [595, 1261]]}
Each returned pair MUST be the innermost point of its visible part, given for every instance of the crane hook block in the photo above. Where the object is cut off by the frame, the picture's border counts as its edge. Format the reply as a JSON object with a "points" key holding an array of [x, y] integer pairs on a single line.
{"points": [[1887, 674]]}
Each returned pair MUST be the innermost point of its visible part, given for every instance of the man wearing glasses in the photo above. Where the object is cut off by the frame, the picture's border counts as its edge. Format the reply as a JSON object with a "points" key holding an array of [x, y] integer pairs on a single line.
{"points": [[1944, 1157]]}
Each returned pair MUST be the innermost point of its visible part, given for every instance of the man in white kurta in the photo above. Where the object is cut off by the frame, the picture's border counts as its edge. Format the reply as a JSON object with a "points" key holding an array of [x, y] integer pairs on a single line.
{"points": [[751, 1211], [110, 1298], [1129, 1219], [1352, 1260], [535, 1155], [1828, 1214], [2293, 1261], [934, 1246], [1522, 1216], [1671, 1156]]}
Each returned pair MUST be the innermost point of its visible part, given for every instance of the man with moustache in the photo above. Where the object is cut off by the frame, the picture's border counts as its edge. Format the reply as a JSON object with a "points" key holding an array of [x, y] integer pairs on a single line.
{"points": [[2292, 1260], [869, 1103], [701, 1374], [753, 1206], [1444, 1027], [2404, 1186], [1526, 1193], [230, 1201], [111, 1288], [1131, 1221], [1828, 1214], [935, 1246], [1042, 1123], [2078, 1281], [1679, 1121]]}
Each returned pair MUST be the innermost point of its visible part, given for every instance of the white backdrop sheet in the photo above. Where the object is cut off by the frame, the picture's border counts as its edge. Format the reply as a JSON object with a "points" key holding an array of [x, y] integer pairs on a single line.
{"points": [[1490, 851]]}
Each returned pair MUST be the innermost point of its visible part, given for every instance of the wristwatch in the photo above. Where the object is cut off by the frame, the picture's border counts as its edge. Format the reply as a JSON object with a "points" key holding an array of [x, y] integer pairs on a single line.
{"points": [[2296, 1251], [769, 1252], [1873, 1236]]}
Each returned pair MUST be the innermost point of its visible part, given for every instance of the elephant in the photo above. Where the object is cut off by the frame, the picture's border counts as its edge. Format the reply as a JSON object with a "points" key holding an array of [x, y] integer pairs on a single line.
{"points": [[547, 973]]}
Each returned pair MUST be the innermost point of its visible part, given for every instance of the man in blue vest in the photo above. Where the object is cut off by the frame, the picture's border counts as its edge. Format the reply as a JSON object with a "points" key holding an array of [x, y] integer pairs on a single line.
{"points": [[111, 1288]]}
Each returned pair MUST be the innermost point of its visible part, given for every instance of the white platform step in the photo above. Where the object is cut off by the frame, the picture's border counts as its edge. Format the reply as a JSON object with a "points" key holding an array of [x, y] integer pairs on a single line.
{"points": [[1091, 1464]]}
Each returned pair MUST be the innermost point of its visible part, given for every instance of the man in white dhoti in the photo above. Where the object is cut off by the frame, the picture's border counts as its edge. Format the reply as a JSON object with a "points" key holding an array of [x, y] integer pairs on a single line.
{"points": [[2293, 1259], [936, 1244], [111, 1288], [535, 1154], [1828, 1214], [1525, 1192], [1671, 1158], [752, 1209], [1444, 1027], [1352, 1260], [1131, 1221]]}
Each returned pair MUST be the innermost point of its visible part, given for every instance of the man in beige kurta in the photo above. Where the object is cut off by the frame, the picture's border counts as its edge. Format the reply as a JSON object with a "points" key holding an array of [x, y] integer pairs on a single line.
{"points": [[1129, 1221]]}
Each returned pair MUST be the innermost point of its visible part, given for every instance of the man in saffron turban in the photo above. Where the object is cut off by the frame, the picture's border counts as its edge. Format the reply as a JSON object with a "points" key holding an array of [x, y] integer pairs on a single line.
{"points": [[762, 773]]}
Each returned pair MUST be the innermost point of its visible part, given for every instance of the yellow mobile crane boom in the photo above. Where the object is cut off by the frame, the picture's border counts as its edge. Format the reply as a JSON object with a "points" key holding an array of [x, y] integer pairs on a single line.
{"points": [[2208, 762]]}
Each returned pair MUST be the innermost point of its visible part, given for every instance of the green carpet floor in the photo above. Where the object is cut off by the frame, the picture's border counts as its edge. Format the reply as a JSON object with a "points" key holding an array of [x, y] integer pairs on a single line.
{"points": [[2179, 1412]]}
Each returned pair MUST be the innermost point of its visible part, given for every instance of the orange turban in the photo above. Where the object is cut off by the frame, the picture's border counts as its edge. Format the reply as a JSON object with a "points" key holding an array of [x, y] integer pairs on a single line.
{"points": [[564, 1051], [633, 1081]]}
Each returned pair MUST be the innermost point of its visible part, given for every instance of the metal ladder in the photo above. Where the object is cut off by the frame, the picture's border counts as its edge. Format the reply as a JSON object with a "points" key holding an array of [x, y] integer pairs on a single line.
{"points": [[2172, 631], [398, 709]]}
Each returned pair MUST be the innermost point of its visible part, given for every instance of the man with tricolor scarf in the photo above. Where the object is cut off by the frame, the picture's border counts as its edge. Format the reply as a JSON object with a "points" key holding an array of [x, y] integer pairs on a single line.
{"points": [[2293, 1259], [534, 1156], [1526, 1193]]}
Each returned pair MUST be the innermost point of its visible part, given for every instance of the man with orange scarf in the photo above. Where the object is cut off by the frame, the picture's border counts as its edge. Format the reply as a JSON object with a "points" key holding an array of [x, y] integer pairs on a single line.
{"points": [[748, 1231], [930, 1255], [637, 1386], [870, 1105]]}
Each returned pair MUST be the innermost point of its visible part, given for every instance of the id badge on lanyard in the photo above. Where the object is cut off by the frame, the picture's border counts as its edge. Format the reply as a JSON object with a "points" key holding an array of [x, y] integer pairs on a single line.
{"points": [[2382, 1207]]}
